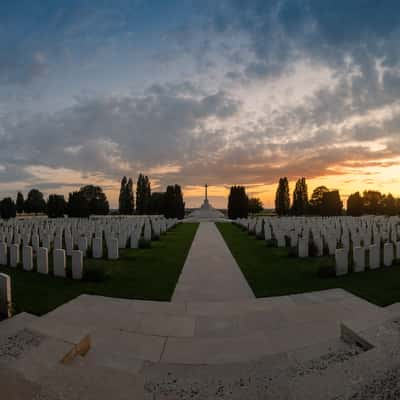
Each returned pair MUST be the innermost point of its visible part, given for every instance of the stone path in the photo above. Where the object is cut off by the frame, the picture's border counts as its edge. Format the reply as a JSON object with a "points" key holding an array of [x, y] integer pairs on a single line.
{"points": [[210, 272]]}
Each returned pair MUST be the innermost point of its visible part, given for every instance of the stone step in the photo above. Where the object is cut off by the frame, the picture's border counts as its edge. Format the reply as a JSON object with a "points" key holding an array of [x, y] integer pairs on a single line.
{"points": [[75, 382], [77, 338], [12, 325]]}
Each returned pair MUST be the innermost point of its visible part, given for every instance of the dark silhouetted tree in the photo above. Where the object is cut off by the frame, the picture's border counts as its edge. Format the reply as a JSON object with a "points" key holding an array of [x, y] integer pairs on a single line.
{"points": [[97, 200], [255, 205], [355, 205], [174, 207], [35, 202], [78, 205], [157, 206], [331, 204], [56, 206], [143, 195], [20, 203], [389, 205], [126, 199], [122, 196], [300, 198], [8, 208], [373, 202], [238, 203], [317, 198], [282, 198]]}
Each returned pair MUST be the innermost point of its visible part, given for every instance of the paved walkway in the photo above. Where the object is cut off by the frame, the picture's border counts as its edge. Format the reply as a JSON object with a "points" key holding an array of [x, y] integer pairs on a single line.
{"points": [[210, 272]]}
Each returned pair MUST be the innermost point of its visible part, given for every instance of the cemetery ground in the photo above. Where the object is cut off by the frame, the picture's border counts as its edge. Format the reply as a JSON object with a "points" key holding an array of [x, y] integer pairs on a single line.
{"points": [[146, 274], [272, 271]]}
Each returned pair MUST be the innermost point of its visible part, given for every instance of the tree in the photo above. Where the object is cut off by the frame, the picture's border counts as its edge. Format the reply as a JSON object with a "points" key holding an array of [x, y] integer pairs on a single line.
{"points": [[331, 204], [389, 205], [355, 205], [300, 198], [157, 203], [317, 200], [8, 208], [130, 200], [97, 200], [238, 203], [255, 205], [174, 207], [126, 199], [372, 202], [282, 198], [56, 206], [20, 203], [78, 205], [143, 195], [35, 202], [122, 196]]}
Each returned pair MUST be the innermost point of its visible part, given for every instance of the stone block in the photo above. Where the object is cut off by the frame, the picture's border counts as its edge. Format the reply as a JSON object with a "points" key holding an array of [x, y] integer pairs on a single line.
{"points": [[43, 260], [77, 265], [27, 258], [59, 263], [5, 295]]}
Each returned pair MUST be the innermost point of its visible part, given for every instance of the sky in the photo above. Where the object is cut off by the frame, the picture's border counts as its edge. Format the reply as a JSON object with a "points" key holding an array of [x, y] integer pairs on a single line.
{"points": [[199, 91]]}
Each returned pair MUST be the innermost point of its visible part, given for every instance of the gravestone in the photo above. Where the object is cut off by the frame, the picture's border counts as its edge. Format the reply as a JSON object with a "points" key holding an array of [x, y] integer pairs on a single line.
{"points": [[374, 256], [43, 260], [3, 254], [113, 251], [342, 262], [14, 255], [59, 263], [359, 259], [77, 264], [27, 258], [5, 295], [388, 254], [97, 247]]}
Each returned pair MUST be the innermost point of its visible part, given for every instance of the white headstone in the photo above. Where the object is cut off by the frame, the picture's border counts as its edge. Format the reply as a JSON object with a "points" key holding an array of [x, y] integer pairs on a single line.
{"points": [[112, 247], [14, 255], [77, 264], [27, 258], [43, 260], [134, 242], [359, 259], [342, 262], [303, 247], [388, 254], [82, 245], [97, 247], [59, 263], [5, 295], [374, 256], [3, 254]]}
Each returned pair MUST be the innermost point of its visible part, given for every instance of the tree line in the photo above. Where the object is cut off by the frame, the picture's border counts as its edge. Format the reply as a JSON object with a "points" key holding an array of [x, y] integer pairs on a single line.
{"points": [[91, 200], [325, 202], [169, 203]]}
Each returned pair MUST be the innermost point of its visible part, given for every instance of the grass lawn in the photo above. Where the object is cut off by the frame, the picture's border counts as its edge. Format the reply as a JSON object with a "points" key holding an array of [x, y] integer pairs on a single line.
{"points": [[149, 274], [272, 272]]}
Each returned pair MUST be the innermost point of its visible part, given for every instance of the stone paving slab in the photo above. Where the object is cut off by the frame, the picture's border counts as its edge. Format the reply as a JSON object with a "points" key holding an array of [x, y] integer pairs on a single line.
{"points": [[210, 272]]}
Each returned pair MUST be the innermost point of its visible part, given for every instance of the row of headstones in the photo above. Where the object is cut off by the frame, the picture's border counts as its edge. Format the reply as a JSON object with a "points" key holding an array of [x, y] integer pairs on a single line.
{"points": [[132, 235], [391, 252], [42, 260], [341, 236]]}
